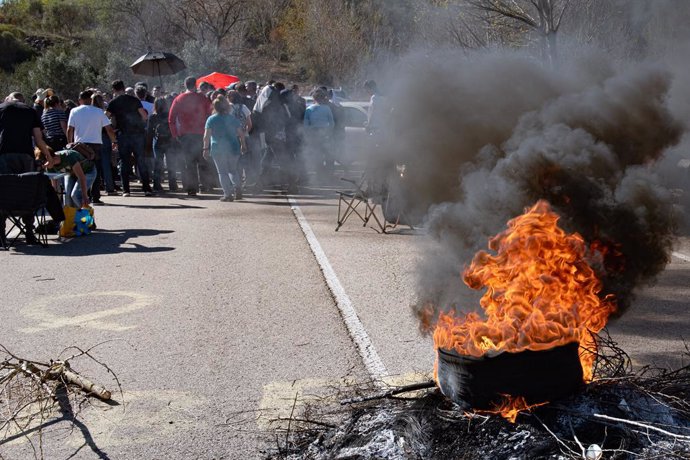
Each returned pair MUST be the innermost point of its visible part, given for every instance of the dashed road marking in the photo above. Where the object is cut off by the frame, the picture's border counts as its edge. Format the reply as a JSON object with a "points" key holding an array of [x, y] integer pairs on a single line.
{"points": [[357, 332], [41, 310]]}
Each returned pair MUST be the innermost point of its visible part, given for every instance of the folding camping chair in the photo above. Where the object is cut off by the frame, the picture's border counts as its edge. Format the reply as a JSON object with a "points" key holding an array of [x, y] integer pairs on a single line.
{"points": [[359, 202], [23, 196]]}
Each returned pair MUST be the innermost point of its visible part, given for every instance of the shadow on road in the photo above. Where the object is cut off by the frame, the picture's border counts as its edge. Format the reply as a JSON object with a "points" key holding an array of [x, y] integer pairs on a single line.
{"points": [[282, 203], [99, 242], [154, 206], [67, 414]]}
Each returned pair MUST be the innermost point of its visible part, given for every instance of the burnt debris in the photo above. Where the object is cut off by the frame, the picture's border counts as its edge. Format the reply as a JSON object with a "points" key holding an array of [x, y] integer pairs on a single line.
{"points": [[626, 416]]}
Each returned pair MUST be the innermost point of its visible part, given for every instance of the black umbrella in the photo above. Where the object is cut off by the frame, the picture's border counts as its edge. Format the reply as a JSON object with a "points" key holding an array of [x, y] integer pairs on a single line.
{"points": [[157, 63]]}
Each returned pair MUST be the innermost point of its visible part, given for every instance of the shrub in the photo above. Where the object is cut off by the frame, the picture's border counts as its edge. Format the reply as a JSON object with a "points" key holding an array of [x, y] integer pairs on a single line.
{"points": [[14, 50]]}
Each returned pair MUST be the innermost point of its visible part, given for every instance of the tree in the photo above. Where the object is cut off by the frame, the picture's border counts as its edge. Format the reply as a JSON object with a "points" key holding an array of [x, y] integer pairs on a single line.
{"points": [[541, 16], [263, 26], [59, 68], [69, 19], [203, 58], [325, 38], [213, 21]]}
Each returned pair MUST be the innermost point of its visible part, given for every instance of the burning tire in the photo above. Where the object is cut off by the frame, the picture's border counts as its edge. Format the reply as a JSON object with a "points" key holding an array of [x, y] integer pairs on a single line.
{"points": [[537, 376]]}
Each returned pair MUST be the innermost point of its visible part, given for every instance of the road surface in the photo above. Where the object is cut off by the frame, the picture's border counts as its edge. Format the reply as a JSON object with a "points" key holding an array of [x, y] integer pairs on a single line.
{"points": [[216, 316]]}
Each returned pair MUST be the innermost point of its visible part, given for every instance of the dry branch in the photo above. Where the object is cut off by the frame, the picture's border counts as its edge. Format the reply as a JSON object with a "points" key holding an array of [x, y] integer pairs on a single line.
{"points": [[680, 437], [35, 395], [392, 392]]}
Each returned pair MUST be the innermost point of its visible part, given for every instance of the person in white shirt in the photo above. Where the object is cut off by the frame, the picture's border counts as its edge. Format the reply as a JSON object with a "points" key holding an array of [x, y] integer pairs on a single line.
{"points": [[141, 92], [85, 124]]}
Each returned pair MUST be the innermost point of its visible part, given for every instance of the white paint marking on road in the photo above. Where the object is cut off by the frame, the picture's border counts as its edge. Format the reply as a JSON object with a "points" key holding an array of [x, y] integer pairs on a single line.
{"points": [[681, 256], [359, 335], [40, 310]]}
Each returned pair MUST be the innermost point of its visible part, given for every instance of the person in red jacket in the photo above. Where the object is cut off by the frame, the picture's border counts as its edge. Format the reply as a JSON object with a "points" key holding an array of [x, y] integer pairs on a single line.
{"points": [[187, 119]]}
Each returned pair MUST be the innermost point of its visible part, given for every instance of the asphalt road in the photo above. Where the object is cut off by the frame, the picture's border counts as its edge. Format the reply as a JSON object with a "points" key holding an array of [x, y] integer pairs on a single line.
{"points": [[216, 316]]}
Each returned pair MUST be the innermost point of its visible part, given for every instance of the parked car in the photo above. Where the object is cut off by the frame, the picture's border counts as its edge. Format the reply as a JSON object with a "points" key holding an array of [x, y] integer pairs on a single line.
{"points": [[356, 136]]}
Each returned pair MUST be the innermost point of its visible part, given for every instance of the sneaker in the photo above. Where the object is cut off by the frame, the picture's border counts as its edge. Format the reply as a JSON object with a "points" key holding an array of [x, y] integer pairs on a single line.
{"points": [[126, 194], [227, 198], [97, 201], [149, 193], [238, 194], [113, 193], [191, 192]]}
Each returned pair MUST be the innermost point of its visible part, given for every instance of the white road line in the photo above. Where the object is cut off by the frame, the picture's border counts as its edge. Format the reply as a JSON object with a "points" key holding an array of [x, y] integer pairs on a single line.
{"points": [[359, 335], [681, 256]]}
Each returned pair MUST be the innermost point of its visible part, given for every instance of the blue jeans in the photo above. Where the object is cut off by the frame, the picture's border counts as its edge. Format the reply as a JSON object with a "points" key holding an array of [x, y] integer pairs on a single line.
{"points": [[165, 155], [73, 191], [190, 145], [106, 155], [226, 164], [128, 144]]}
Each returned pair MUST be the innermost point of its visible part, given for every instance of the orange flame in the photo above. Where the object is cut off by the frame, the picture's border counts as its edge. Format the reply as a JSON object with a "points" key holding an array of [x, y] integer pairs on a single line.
{"points": [[511, 407], [540, 293]]}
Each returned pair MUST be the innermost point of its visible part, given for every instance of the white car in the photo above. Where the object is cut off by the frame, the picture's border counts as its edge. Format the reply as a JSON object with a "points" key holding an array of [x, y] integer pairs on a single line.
{"points": [[356, 136]]}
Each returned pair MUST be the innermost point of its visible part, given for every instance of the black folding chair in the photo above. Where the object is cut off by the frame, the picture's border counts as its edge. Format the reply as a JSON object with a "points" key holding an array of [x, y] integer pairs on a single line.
{"points": [[358, 202], [23, 199]]}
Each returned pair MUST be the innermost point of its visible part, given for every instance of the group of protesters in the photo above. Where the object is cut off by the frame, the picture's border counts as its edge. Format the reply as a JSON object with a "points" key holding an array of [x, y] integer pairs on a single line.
{"points": [[242, 134], [152, 132]]}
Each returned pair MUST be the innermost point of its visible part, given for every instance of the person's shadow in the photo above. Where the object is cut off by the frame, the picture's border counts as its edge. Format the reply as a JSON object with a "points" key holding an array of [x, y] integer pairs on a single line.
{"points": [[98, 242]]}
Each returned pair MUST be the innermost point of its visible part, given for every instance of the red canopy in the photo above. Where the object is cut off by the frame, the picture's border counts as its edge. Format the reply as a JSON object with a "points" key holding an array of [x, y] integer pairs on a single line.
{"points": [[218, 80]]}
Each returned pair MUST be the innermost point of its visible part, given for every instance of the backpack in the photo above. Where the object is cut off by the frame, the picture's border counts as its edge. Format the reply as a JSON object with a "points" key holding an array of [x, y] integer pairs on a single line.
{"points": [[238, 112], [84, 150], [162, 131]]}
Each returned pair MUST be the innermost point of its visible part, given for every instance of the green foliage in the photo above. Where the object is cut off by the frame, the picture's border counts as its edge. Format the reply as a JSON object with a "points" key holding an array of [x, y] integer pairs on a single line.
{"points": [[13, 30], [58, 68], [14, 51], [117, 68], [67, 18]]}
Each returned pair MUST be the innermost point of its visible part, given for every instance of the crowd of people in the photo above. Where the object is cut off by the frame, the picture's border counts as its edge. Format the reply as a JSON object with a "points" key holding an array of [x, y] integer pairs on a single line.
{"points": [[203, 137]]}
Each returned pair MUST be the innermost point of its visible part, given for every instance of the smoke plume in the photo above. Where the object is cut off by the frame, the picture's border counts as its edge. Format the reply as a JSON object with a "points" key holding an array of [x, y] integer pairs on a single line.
{"points": [[485, 136]]}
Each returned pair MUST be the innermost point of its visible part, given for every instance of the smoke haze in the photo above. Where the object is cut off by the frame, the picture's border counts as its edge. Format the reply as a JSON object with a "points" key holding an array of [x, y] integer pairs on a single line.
{"points": [[485, 136]]}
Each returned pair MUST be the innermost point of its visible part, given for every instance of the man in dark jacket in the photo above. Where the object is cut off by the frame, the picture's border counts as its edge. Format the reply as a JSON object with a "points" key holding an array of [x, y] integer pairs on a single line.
{"points": [[130, 121]]}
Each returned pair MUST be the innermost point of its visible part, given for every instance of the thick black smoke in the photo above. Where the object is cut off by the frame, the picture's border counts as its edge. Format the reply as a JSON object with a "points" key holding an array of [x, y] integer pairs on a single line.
{"points": [[486, 136]]}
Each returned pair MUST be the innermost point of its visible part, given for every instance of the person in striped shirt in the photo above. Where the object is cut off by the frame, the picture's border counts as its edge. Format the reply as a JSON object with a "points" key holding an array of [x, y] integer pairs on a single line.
{"points": [[54, 121]]}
